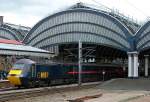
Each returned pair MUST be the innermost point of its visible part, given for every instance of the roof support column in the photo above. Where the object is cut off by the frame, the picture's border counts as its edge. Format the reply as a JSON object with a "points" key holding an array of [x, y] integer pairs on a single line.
{"points": [[133, 64], [146, 65], [130, 65], [135, 55]]}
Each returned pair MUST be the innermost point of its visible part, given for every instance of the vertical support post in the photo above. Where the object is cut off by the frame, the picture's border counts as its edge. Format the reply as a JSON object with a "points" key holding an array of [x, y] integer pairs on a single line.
{"points": [[133, 64], [129, 65], [80, 63], [135, 55], [146, 65]]}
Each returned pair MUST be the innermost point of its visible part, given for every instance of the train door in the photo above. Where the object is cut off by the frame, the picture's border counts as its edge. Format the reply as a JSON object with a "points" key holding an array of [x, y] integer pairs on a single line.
{"points": [[33, 71]]}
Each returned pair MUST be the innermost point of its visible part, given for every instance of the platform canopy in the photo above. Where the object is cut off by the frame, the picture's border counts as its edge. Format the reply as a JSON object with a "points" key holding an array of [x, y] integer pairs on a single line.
{"points": [[12, 47]]}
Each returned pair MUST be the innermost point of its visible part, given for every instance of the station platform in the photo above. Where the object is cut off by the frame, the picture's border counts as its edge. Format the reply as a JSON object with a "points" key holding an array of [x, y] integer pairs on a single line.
{"points": [[126, 84]]}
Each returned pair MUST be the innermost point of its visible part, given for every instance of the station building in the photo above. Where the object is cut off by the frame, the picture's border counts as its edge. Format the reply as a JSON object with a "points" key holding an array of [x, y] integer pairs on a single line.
{"points": [[107, 37]]}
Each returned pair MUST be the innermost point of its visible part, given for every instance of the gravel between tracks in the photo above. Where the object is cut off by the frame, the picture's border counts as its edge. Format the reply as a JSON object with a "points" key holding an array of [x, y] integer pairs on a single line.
{"points": [[65, 94], [125, 91]]}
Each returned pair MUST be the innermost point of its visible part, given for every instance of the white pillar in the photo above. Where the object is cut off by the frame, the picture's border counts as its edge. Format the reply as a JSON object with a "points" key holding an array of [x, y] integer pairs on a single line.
{"points": [[133, 64], [135, 56], [129, 65], [146, 65]]}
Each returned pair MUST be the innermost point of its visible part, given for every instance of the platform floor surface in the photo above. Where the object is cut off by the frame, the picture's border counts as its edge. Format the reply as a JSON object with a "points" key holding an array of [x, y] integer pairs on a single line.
{"points": [[126, 84]]}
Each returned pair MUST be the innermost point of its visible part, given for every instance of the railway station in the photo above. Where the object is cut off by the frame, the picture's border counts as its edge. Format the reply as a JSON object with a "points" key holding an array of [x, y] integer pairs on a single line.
{"points": [[106, 37], [83, 53]]}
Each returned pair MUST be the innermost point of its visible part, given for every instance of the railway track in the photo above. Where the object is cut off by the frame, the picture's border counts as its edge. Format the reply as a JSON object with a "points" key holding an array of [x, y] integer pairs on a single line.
{"points": [[8, 89], [22, 94], [33, 92], [5, 84]]}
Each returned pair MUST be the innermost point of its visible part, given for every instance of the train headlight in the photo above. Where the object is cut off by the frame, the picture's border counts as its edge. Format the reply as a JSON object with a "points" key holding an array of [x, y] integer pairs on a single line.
{"points": [[21, 75]]}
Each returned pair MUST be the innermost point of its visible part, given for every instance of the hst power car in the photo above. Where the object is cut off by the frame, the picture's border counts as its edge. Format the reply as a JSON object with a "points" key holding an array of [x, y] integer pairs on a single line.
{"points": [[28, 73]]}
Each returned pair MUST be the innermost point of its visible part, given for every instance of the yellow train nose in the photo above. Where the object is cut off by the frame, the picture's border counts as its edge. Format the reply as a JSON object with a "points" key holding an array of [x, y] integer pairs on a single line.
{"points": [[14, 78], [17, 72]]}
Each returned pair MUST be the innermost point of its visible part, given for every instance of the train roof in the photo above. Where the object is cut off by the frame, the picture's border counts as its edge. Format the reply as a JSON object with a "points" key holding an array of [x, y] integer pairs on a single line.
{"points": [[29, 61], [83, 64], [26, 61]]}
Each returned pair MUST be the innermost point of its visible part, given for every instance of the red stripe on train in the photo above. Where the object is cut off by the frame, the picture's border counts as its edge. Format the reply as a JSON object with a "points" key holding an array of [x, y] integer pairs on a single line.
{"points": [[83, 72]]}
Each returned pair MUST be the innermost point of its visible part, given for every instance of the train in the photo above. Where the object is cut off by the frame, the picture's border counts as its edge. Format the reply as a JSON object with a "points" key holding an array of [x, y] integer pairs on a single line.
{"points": [[28, 73]]}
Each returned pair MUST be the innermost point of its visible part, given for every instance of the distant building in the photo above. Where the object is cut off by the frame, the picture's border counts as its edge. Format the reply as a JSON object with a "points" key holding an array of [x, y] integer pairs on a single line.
{"points": [[12, 31]]}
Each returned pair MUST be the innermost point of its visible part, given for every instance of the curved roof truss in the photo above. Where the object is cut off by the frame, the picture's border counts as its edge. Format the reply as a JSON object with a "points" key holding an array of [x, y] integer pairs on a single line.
{"points": [[93, 27], [8, 34], [142, 37]]}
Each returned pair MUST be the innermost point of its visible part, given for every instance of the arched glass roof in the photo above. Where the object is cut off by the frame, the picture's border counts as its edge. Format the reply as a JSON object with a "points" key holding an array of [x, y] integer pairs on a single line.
{"points": [[87, 25], [90, 26], [8, 34], [142, 37]]}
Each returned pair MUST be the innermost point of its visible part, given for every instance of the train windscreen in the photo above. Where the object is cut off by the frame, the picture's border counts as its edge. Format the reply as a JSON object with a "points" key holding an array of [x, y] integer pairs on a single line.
{"points": [[19, 66]]}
